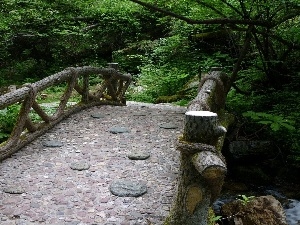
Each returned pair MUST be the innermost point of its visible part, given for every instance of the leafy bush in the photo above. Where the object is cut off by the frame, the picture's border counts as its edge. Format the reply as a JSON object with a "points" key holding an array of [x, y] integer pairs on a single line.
{"points": [[8, 118], [165, 67]]}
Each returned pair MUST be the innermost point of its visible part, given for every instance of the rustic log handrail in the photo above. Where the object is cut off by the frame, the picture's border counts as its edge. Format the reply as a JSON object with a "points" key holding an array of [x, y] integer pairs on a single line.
{"points": [[110, 92], [203, 168]]}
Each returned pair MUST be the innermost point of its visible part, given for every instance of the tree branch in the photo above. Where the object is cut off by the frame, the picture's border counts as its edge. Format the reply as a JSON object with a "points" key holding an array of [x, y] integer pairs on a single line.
{"points": [[232, 7], [221, 21], [243, 53], [260, 50], [276, 11], [90, 27], [244, 10], [289, 16], [277, 38], [240, 91], [210, 7]]}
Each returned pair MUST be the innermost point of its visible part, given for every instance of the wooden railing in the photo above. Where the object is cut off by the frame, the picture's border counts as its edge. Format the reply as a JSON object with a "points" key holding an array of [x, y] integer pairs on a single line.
{"points": [[111, 91], [203, 168]]}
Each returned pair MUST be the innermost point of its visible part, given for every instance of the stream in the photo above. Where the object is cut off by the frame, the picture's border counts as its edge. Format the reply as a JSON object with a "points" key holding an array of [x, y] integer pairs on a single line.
{"points": [[290, 205]]}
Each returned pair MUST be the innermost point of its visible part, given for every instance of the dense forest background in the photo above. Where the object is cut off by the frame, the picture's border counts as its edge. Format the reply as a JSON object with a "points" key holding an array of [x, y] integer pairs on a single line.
{"points": [[166, 46]]}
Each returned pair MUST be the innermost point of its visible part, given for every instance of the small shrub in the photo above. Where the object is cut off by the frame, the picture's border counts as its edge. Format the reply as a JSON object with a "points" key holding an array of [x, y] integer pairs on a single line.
{"points": [[8, 118], [245, 199]]}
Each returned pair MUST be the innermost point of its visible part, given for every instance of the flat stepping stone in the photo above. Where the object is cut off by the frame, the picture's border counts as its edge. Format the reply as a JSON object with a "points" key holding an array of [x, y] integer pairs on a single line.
{"points": [[118, 130], [14, 190], [180, 112], [127, 188], [98, 116], [138, 155], [140, 114], [80, 166], [168, 126], [52, 144]]}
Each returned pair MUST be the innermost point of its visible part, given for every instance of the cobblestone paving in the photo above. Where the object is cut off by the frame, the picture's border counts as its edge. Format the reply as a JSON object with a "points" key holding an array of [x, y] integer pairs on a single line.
{"points": [[56, 194]]}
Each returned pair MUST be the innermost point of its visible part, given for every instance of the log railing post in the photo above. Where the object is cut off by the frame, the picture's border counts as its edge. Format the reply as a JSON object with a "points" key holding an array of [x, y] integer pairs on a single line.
{"points": [[85, 88], [26, 131], [202, 166], [114, 83]]}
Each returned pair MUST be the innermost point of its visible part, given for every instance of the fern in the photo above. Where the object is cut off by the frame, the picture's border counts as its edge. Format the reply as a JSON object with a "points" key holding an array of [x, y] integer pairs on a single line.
{"points": [[276, 122]]}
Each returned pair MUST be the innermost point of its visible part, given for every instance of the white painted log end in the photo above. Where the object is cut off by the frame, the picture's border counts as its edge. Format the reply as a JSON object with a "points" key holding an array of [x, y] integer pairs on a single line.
{"points": [[201, 113]]}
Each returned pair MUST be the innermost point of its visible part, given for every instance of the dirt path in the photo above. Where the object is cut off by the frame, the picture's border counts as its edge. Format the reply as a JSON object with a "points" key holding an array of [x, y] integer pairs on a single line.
{"points": [[53, 193]]}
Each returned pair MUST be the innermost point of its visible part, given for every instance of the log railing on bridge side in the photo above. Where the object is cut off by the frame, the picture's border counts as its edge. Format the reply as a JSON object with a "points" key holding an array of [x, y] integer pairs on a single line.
{"points": [[110, 92], [202, 168]]}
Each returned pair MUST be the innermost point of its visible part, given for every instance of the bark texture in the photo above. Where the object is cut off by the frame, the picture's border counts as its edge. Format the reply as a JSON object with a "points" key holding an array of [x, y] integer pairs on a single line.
{"points": [[202, 168], [111, 92]]}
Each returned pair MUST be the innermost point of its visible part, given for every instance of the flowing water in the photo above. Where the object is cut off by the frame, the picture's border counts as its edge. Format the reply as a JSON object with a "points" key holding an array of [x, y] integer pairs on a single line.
{"points": [[292, 211]]}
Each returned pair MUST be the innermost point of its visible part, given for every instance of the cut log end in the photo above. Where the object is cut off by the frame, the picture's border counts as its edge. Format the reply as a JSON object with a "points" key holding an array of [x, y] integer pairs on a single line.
{"points": [[201, 113], [209, 165], [202, 127], [214, 172]]}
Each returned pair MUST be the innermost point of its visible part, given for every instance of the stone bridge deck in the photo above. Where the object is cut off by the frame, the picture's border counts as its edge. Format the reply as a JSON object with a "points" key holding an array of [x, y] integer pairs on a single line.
{"points": [[54, 193]]}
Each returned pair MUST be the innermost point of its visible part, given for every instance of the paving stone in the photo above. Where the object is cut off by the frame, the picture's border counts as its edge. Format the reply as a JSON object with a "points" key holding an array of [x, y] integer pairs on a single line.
{"points": [[80, 166], [14, 189], [125, 223], [138, 155], [140, 114], [98, 116], [104, 199], [35, 205], [72, 223], [117, 130], [137, 215], [168, 126], [128, 188], [52, 143], [8, 211]]}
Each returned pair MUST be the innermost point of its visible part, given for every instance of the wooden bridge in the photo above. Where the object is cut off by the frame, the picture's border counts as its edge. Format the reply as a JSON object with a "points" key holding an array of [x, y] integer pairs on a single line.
{"points": [[65, 175]]}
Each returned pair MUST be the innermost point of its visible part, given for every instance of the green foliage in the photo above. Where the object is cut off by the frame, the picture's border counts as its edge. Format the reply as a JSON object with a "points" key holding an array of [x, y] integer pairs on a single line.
{"points": [[8, 118], [182, 102], [49, 110], [165, 67], [163, 80], [245, 199], [274, 121], [212, 218], [215, 219], [140, 96], [94, 80], [39, 38]]}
